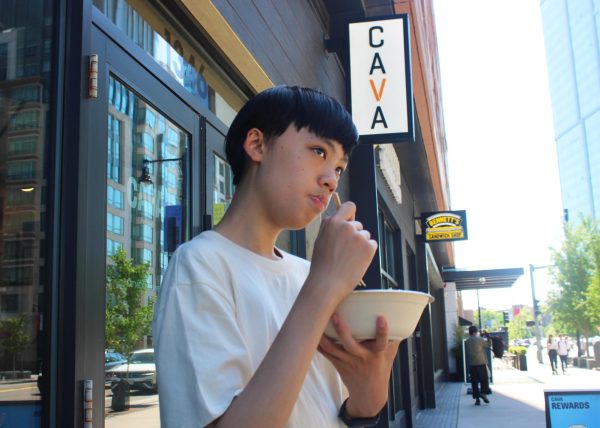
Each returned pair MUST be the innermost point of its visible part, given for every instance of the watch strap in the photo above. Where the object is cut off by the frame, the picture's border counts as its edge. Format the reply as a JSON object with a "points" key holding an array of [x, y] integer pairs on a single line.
{"points": [[356, 422]]}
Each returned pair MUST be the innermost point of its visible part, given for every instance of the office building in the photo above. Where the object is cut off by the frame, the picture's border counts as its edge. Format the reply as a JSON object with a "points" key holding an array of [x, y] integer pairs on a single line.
{"points": [[572, 37]]}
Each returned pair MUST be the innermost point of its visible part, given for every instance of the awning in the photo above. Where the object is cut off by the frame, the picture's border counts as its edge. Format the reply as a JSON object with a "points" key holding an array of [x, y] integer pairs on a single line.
{"points": [[482, 279], [463, 322]]}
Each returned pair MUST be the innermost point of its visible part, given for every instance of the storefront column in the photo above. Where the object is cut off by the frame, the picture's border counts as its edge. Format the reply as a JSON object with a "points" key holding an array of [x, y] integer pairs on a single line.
{"points": [[425, 339], [363, 192]]}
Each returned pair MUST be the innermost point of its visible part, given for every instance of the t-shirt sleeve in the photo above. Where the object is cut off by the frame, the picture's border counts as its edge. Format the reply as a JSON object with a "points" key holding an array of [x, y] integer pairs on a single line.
{"points": [[202, 360]]}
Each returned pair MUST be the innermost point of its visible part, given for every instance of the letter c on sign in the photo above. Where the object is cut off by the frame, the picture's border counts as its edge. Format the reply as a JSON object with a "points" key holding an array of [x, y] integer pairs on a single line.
{"points": [[371, 41]]}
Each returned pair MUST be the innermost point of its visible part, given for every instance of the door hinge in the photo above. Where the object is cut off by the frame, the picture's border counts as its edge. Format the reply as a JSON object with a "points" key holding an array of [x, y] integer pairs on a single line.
{"points": [[88, 386], [93, 77]]}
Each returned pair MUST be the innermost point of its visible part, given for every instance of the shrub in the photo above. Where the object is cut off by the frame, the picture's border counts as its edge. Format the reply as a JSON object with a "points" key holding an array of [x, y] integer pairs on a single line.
{"points": [[517, 350]]}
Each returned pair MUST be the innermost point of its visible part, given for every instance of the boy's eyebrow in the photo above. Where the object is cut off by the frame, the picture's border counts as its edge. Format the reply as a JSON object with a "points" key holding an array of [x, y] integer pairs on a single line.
{"points": [[331, 145]]}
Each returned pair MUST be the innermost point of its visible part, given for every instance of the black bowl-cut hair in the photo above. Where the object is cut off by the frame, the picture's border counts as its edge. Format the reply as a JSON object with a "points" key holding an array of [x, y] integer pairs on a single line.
{"points": [[275, 109]]}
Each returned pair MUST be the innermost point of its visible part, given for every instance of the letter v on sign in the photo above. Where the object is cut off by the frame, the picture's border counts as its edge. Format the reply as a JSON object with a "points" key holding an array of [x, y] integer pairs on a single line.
{"points": [[378, 94]]}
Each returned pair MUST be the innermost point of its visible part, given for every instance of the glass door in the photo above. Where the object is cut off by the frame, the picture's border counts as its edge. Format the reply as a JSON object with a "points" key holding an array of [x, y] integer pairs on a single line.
{"points": [[146, 219], [143, 154]]}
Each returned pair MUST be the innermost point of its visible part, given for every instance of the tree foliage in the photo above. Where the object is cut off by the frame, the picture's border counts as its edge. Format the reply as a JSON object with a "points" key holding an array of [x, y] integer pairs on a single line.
{"points": [[517, 327], [490, 320], [13, 337], [593, 290], [128, 317], [575, 304]]}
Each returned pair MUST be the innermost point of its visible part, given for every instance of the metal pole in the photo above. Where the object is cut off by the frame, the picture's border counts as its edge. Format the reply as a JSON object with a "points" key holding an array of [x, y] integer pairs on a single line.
{"points": [[478, 309], [538, 335]]}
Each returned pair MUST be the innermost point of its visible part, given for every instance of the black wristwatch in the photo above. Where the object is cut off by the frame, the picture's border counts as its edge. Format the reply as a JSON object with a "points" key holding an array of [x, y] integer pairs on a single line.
{"points": [[356, 422]]}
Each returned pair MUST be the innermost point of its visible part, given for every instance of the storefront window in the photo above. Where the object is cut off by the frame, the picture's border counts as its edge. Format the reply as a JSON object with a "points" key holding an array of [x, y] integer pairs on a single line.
{"points": [[176, 52], [388, 257], [25, 77]]}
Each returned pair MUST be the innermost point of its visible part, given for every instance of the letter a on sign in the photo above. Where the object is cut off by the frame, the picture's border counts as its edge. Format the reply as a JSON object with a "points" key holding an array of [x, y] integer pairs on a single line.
{"points": [[380, 81], [378, 118]]}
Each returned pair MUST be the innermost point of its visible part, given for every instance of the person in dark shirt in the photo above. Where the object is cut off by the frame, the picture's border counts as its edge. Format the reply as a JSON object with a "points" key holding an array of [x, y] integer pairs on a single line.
{"points": [[475, 349]]}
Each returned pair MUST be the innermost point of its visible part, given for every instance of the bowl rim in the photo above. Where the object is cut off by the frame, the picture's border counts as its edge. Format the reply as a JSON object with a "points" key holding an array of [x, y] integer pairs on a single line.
{"points": [[393, 291]]}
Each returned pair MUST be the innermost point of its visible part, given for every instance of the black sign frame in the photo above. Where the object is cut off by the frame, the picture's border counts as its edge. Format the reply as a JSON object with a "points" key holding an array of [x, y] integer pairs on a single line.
{"points": [[394, 137]]}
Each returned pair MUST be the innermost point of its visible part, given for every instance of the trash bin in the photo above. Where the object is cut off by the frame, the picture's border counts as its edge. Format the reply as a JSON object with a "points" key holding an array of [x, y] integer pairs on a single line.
{"points": [[120, 397], [522, 362]]}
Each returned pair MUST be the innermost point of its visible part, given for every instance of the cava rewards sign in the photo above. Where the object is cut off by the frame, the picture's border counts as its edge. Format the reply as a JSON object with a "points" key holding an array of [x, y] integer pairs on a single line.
{"points": [[380, 80]]}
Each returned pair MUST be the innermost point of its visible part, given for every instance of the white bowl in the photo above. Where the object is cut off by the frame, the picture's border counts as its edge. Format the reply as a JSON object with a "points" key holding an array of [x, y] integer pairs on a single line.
{"points": [[401, 308]]}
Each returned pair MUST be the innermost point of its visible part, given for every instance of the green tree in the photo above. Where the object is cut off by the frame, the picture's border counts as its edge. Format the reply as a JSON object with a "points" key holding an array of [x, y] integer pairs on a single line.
{"points": [[573, 273], [490, 320], [13, 337], [517, 327], [593, 291], [128, 317]]}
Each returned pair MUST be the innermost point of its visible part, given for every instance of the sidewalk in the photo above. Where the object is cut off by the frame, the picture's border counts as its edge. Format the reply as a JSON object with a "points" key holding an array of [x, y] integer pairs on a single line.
{"points": [[517, 399]]}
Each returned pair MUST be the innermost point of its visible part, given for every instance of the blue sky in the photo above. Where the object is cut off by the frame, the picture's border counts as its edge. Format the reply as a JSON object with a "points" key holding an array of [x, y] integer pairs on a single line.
{"points": [[500, 137]]}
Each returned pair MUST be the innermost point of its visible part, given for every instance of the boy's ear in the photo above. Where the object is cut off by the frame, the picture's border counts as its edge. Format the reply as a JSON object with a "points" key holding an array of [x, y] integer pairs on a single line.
{"points": [[254, 144]]}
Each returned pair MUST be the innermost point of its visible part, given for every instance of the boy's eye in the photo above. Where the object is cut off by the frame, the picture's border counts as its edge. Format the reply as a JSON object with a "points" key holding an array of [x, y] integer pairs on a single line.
{"points": [[320, 152], [340, 170]]}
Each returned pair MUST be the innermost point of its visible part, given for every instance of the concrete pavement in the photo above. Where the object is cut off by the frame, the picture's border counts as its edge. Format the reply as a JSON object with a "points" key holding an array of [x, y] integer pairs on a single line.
{"points": [[143, 412], [517, 399]]}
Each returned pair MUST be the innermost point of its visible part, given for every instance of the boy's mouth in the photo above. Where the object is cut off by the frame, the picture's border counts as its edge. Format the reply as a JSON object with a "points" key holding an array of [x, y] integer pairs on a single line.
{"points": [[320, 201]]}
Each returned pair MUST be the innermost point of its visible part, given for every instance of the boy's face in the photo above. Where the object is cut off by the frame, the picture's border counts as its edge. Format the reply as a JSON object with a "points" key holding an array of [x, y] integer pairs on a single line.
{"points": [[297, 175]]}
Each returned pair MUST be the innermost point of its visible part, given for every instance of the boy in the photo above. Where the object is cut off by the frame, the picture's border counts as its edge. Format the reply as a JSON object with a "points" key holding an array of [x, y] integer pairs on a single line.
{"points": [[238, 320]]}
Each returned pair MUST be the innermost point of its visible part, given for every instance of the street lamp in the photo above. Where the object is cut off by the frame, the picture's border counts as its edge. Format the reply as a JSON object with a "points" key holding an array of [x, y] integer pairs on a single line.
{"points": [[536, 311], [481, 281], [145, 177]]}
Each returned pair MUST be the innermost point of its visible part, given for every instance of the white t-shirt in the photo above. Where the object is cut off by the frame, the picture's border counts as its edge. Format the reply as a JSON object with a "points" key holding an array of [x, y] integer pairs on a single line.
{"points": [[563, 347], [219, 310]]}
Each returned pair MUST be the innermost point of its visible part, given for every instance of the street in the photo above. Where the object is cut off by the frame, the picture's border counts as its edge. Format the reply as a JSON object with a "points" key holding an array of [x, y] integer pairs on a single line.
{"points": [[19, 390]]}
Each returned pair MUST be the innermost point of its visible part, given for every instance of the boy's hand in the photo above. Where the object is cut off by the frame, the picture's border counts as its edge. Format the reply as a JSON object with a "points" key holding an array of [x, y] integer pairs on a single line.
{"points": [[343, 251], [364, 367]]}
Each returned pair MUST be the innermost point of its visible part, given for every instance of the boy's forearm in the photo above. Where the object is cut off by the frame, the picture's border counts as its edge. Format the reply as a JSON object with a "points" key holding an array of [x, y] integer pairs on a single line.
{"points": [[269, 397]]}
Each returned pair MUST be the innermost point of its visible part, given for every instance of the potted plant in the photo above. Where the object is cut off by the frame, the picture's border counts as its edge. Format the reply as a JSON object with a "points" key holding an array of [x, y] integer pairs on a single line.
{"points": [[521, 354], [457, 352]]}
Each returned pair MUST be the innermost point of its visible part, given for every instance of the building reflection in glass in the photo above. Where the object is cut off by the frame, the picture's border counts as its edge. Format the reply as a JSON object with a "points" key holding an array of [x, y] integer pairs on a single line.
{"points": [[25, 74]]}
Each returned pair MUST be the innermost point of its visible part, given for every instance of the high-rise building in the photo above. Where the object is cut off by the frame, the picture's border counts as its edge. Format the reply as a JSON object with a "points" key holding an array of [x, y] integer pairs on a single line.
{"points": [[572, 37]]}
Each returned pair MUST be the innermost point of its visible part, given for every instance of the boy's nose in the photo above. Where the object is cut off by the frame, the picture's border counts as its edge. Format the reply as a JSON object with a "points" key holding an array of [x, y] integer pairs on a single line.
{"points": [[329, 180]]}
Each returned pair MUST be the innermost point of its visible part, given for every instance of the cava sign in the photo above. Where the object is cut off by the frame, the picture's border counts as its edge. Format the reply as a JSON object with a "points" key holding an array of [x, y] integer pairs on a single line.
{"points": [[380, 80]]}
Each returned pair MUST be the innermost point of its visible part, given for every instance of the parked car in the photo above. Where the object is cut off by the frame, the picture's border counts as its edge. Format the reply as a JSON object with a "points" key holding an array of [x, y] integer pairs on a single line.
{"points": [[112, 359], [139, 371]]}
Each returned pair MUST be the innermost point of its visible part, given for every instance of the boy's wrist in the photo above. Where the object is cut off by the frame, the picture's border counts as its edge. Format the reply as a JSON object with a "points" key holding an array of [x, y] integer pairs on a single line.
{"points": [[328, 296], [356, 421]]}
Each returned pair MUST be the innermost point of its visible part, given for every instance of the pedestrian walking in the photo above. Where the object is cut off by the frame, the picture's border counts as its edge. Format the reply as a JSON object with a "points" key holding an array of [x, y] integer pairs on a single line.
{"points": [[475, 349], [552, 348], [563, 352]]}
